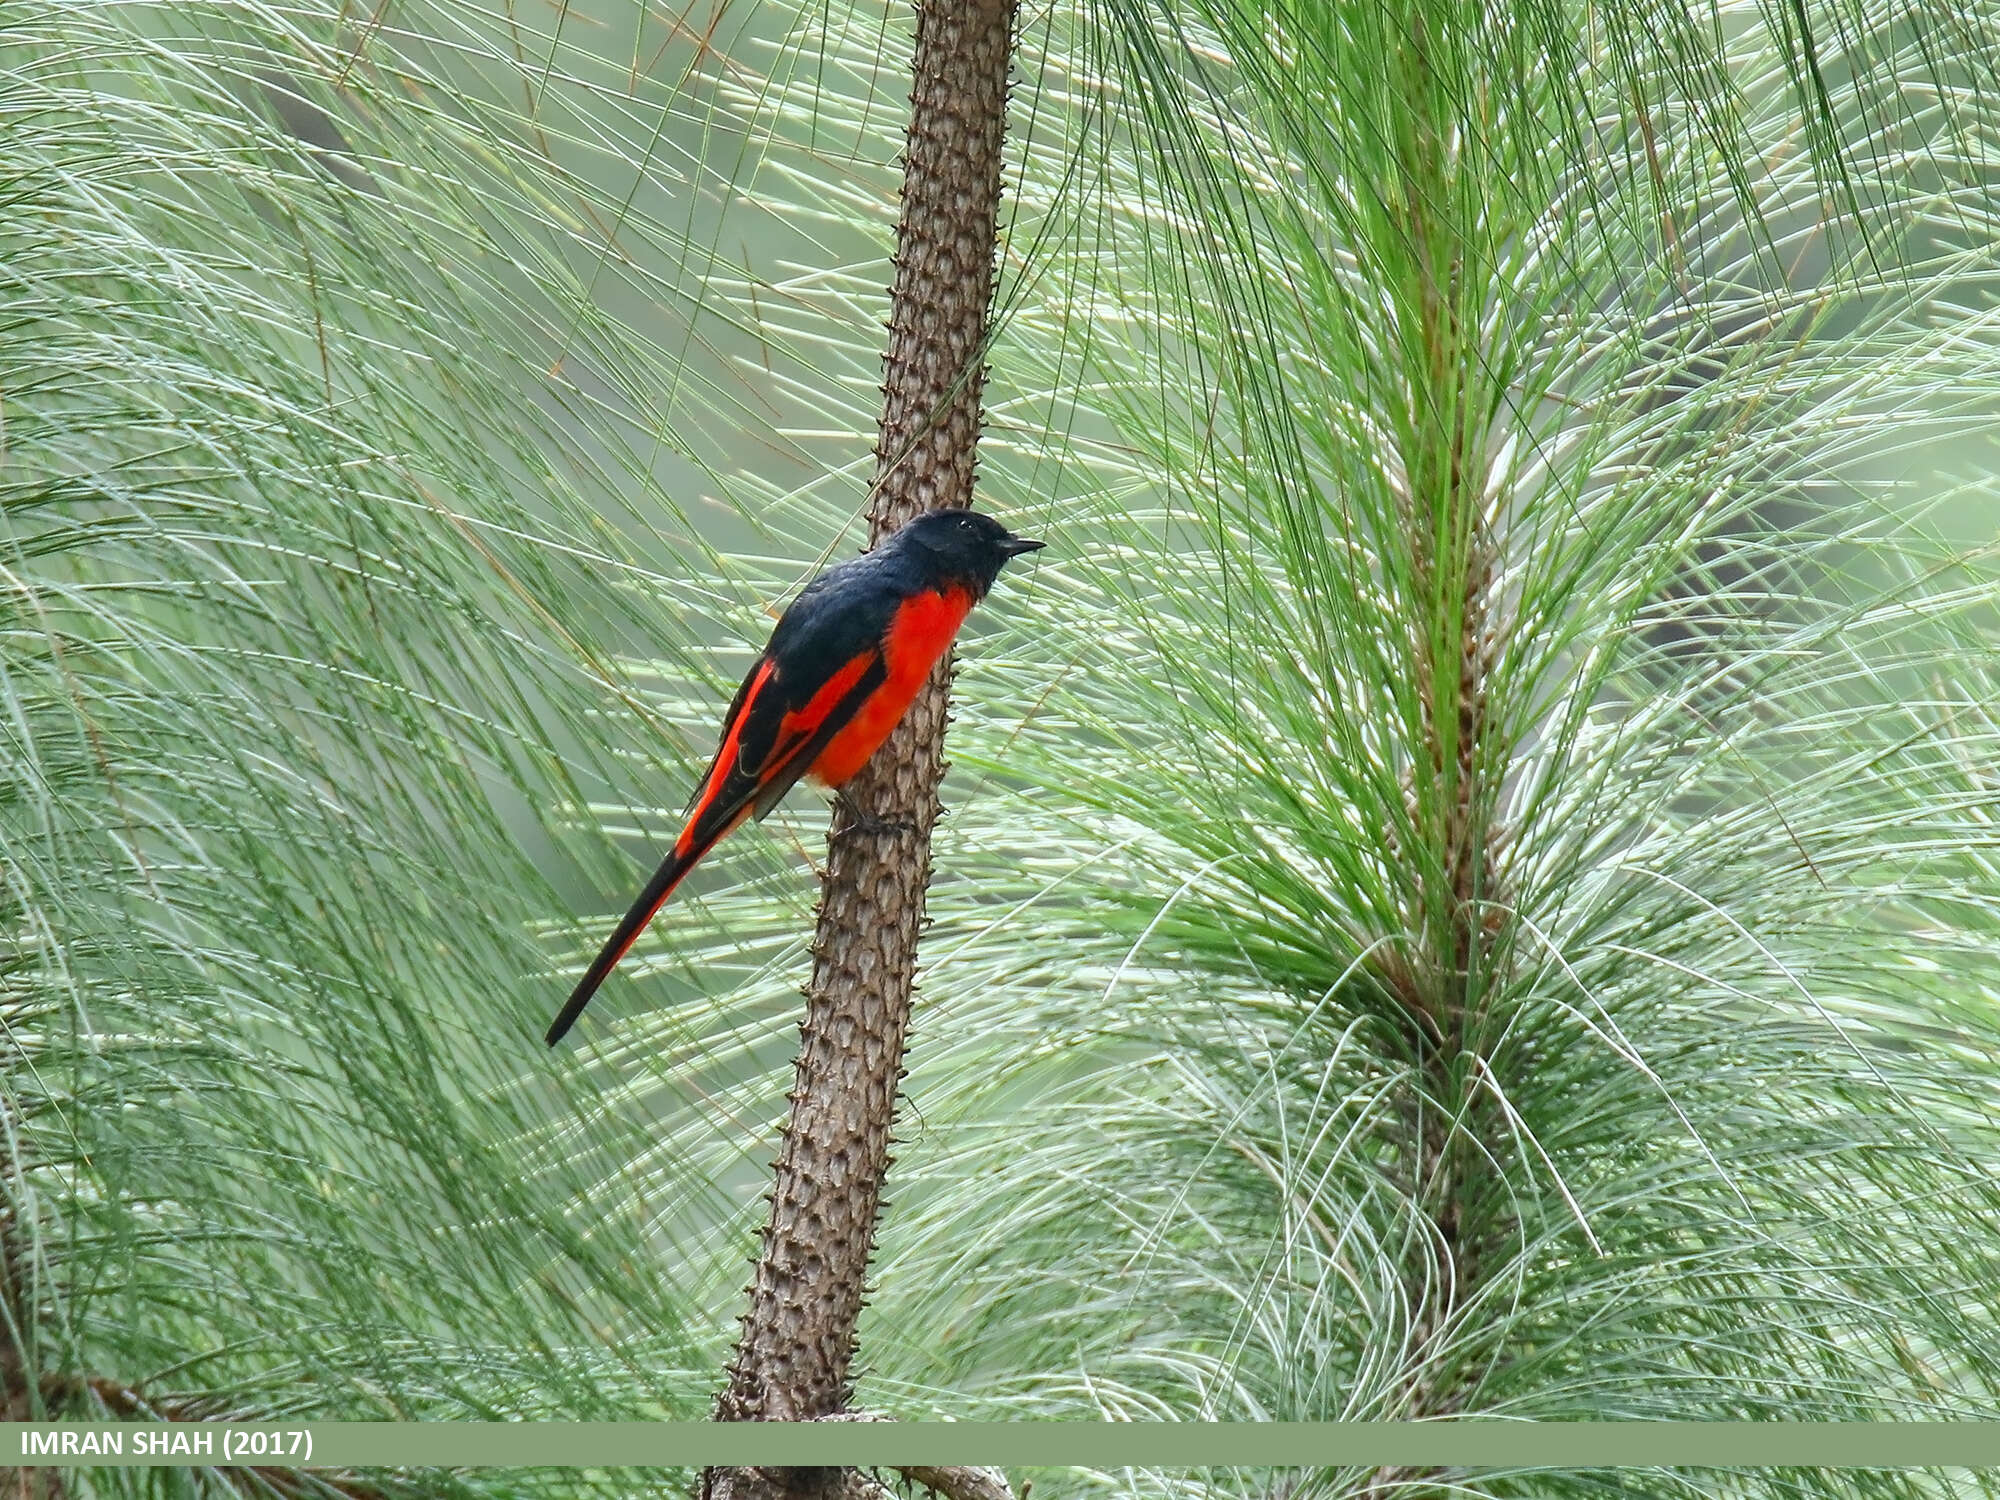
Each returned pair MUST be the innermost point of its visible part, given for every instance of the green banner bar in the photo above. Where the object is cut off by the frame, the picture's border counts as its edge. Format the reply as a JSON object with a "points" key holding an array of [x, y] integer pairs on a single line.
{"points": [[1161, 1445]]}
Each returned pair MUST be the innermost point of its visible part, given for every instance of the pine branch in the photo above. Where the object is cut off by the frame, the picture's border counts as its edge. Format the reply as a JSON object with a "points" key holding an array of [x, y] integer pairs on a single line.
{"points": [[806, 1295], [1452, 875]]}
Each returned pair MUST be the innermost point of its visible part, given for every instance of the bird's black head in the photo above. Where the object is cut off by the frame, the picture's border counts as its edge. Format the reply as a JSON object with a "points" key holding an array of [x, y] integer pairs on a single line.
{"points": [[962, 546]]}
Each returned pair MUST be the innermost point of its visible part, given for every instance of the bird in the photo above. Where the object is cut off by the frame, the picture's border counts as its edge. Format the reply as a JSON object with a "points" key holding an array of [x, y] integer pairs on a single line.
{"points": [[844, 663]]}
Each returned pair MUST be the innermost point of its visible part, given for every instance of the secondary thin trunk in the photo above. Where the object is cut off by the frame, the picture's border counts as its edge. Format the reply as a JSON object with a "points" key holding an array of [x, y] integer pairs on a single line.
{"points": [[798, 1338], [1456, 549]]}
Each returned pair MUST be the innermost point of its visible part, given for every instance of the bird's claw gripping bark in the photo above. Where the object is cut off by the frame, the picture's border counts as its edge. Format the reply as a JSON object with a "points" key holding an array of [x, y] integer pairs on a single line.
{"points": [[874, 827]]}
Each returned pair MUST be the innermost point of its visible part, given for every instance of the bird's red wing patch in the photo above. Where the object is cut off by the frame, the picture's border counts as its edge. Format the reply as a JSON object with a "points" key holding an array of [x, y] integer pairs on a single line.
{"points": [[724, 765], [919, 633], [802, 723]]}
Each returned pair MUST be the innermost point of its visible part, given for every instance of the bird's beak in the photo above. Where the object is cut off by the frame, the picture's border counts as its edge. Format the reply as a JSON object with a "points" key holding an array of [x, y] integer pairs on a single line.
{"points": [[1014, 546]]}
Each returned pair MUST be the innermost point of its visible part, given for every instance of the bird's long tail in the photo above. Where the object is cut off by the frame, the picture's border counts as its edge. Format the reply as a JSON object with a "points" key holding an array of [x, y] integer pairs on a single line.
{"points": [[687, 853]]}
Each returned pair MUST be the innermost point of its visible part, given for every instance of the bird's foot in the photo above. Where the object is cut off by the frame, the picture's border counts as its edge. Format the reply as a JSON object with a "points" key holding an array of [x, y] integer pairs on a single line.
{"points": [[874, 827]]}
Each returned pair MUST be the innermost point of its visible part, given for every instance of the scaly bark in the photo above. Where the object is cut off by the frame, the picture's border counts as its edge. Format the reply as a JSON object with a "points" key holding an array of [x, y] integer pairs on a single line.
{"points": [[797, 1341]]}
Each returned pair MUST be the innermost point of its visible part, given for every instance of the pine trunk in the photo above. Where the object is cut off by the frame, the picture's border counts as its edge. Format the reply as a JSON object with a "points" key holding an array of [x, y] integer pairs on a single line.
{"points": [[793, 1357]]}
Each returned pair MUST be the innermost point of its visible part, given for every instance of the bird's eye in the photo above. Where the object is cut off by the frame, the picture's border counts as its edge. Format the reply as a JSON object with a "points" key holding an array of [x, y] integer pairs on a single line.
{"points": [[965, 523]]}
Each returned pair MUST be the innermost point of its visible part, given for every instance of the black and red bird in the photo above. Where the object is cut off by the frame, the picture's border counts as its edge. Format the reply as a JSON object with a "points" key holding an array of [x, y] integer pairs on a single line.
{"points": [[843, 666]]}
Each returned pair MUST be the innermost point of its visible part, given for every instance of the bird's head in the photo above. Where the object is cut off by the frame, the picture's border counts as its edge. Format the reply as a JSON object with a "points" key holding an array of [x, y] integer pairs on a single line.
{"points": [[963, 546]]}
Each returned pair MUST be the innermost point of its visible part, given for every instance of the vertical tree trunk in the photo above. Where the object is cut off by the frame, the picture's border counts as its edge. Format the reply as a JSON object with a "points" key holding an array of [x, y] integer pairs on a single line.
{"points": [[798, 1337], [1456, 552]]}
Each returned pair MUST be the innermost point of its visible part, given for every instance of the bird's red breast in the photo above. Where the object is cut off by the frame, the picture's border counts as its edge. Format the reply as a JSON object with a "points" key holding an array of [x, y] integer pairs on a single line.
{"points": [[919, 633]]}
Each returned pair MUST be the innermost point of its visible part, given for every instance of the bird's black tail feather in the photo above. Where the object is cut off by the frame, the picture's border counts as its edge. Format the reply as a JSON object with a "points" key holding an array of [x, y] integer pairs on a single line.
{"points": [[673, 870]]}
